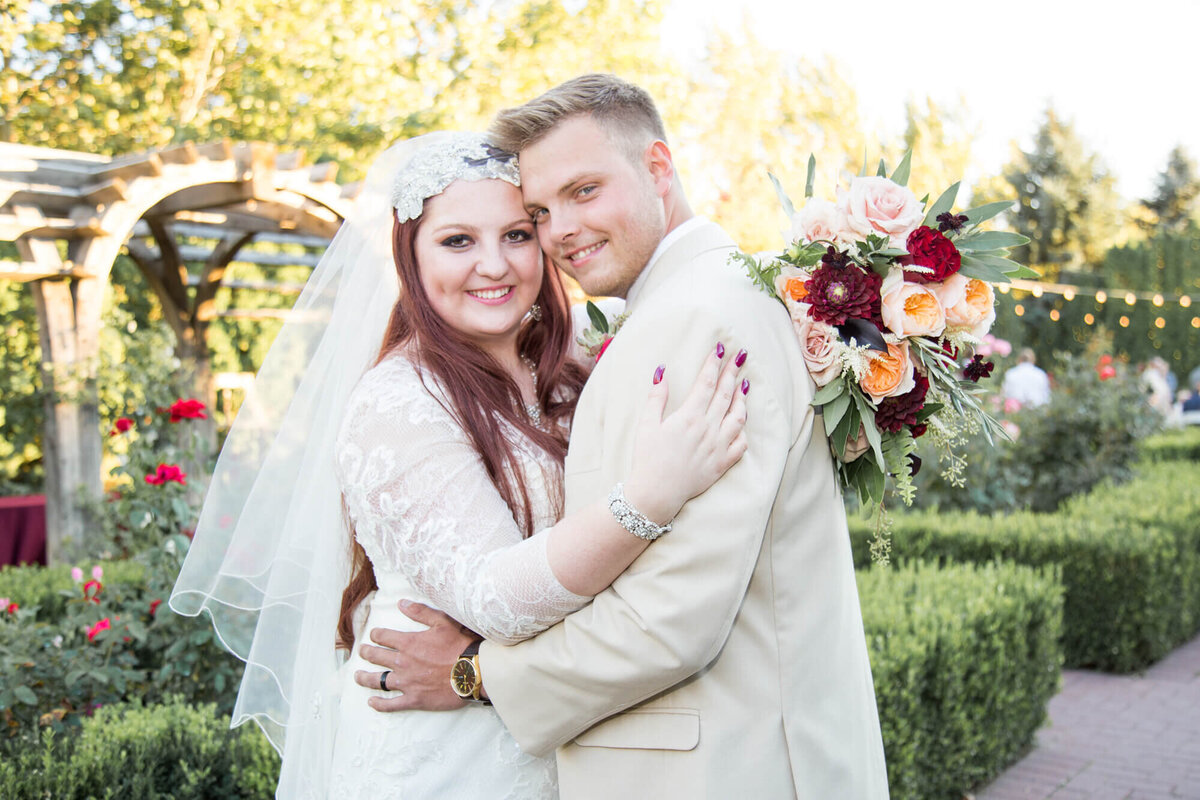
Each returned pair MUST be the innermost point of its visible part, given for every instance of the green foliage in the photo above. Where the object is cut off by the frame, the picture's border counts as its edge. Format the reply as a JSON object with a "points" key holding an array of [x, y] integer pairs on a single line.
{"points": [[964, 660], [1089, 432], [164, 751], [1129, 558], [54, 674], [1173, 445], [21, 411]]}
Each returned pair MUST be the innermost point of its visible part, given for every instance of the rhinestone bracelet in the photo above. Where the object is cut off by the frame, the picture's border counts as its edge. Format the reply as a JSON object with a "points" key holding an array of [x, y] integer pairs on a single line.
{"points": [[631, 519]]}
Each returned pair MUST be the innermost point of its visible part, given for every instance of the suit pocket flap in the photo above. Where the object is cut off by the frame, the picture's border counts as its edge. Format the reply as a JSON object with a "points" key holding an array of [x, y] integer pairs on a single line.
{"points": [[646, 729]]}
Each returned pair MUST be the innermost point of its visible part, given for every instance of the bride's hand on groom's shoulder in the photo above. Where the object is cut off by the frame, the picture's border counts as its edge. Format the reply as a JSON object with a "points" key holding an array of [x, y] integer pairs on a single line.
{"points": [[418, 662]]}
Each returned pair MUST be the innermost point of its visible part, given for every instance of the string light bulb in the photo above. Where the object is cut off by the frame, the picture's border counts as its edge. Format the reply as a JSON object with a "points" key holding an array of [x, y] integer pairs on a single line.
{"points": [[1101, 296]]}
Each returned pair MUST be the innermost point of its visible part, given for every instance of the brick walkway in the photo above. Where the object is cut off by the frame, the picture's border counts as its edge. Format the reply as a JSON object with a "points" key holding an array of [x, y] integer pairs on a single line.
{"points": [[1111, 737]]}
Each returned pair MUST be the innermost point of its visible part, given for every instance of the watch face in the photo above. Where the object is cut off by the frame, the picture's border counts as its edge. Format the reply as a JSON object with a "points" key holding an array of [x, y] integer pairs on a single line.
{"points": [[462, 677]]}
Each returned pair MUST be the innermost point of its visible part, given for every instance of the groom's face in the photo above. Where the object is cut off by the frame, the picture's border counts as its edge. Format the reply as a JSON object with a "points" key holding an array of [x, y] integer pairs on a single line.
{"points": [[599, 215]]}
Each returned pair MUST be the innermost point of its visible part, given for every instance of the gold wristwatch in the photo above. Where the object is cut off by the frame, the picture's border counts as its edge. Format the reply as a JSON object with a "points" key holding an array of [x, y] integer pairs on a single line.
{"points": [[465, 678]]}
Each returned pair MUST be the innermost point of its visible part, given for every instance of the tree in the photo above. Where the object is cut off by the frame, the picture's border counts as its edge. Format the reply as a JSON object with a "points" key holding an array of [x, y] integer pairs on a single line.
{"points": [[1066, 200], [1174, 204], [940, 139], [752, 111]]}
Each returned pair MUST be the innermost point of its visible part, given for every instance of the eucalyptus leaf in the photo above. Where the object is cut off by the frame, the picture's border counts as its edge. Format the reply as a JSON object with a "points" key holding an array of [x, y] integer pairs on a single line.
{"points": [[942, 204], [842, 432], [599, 321], [812, 174], [900, 176], [881, 171], [1023, 271], [788, 207], [892, 252], [835, 410], [985, 212], [973, 268], [868, 422], [828, 392], [866, 167], [991, 240]]}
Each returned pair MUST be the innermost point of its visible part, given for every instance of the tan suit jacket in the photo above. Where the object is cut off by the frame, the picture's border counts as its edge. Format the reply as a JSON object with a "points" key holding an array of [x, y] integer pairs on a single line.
{"points": [[729, 660]]}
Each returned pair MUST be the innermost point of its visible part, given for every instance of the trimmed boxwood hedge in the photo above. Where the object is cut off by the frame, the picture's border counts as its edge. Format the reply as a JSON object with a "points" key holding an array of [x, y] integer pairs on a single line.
{"points": [[1176, 445], [166, 751], [965, 659], [1129, 559]]}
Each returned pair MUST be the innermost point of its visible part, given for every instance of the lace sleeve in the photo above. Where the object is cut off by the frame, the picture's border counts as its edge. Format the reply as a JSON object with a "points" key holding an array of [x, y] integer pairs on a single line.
{"points": [[423, 506]]}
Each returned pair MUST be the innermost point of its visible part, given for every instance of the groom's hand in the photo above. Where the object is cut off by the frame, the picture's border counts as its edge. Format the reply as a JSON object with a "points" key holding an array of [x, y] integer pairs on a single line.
{"points": [[419, 662]]}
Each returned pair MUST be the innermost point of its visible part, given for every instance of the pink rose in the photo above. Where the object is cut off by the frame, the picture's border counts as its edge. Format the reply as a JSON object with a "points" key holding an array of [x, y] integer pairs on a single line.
{"points": [[819, 348], [1011, 405], [878, 206], [821, 220], [77, 574], [98, 572], [910, 309]]}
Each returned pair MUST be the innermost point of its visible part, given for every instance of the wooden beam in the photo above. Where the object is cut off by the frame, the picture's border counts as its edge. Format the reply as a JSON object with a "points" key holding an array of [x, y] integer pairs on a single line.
{"points": [[180, 154], [190, 252], [104, 192]]}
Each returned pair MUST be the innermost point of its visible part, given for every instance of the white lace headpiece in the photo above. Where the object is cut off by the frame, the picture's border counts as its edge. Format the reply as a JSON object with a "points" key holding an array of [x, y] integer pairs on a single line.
{"points": [[450, 157]]}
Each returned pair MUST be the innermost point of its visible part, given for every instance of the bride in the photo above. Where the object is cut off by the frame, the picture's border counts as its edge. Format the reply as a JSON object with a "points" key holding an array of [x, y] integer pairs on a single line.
{"points": [[440, 452]]}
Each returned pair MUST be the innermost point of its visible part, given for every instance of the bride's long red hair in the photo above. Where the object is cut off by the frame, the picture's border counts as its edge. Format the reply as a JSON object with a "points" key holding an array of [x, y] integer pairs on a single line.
{"points": [[479, 391]]}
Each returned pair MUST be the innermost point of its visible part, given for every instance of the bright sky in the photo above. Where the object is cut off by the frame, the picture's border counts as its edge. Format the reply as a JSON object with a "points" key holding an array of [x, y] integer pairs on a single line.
{"points": [[1125, 77]]}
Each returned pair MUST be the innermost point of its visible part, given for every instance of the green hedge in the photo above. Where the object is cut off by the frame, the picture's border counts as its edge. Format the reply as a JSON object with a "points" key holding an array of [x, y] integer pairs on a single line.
{"points": [[126, 751], [1129, 559], [1176, 445], [965, 659]]}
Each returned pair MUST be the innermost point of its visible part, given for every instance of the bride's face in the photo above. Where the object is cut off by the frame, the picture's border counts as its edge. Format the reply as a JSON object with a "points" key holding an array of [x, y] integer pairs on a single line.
{"points": [[478, 259]]}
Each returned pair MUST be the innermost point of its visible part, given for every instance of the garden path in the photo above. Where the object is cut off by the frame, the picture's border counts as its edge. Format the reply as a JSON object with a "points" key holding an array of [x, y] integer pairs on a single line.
{"points": [[1116, 737]]}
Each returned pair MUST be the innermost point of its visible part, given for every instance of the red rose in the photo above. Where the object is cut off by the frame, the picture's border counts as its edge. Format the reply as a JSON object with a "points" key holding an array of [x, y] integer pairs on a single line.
{"points": [[929, 248], [12, 607], [154, 606], [186, 409], [87, 590], [102, 625], [1107, 372], [165, 473]]}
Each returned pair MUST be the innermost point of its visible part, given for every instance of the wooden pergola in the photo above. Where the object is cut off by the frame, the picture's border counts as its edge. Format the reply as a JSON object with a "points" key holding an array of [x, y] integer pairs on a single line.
{"points": [[70, 214]]}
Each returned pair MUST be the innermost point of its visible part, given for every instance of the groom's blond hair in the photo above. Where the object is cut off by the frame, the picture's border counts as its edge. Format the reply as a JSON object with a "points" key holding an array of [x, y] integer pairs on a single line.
{"points": [[625, 111]]}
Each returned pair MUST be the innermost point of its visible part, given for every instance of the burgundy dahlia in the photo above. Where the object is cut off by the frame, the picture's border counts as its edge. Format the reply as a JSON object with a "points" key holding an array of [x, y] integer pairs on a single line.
{"points": [[978, 368], [896, 412], [841, 293], [836, 258], [929, 248]]}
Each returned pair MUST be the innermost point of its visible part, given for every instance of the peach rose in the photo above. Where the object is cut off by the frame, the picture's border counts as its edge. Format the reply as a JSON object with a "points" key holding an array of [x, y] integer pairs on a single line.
{"points": [[910, 309], [879, 206], [819, 346], [821, 219], [888, 374], [970, 304]]}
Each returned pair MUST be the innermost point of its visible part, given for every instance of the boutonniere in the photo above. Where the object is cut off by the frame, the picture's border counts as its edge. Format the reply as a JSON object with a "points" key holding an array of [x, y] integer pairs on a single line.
{"points": [[596, 337]]}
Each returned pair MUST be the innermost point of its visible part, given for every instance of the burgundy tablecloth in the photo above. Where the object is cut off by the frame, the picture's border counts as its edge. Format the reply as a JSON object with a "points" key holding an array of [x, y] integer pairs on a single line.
{"points": [[23, 529]]}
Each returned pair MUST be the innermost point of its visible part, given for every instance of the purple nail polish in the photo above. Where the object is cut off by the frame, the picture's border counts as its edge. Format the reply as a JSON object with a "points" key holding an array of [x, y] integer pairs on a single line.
{"points": [[746, 386], [741, 358], [658, 373], [720, 350]]}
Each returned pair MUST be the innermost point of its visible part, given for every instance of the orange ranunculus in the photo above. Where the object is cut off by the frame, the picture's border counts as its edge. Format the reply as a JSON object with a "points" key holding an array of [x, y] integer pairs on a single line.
{"points": [[888, 374]]}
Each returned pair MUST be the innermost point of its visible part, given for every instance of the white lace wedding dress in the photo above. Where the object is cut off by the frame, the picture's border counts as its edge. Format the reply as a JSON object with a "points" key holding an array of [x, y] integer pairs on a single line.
{"points": [[437, 531]]}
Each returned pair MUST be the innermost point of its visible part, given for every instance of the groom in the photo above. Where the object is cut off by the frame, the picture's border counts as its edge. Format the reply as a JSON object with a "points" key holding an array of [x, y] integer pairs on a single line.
{"points": [[729, 660]]}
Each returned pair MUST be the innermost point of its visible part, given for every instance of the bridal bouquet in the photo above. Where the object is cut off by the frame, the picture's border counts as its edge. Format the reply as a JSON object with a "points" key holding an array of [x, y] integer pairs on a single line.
{"points": [[889, 296]]}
